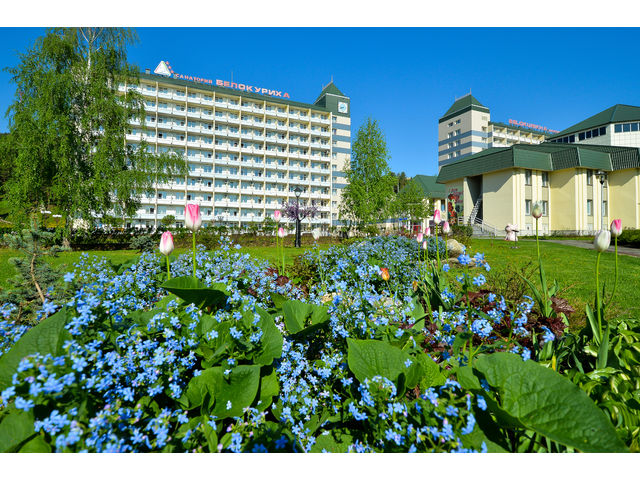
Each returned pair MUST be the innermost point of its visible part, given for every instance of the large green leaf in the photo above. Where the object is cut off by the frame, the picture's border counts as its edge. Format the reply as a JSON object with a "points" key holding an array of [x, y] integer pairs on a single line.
{"points": [[368, 358], [269, 387], [15, 429], [271, 341], [192, 290], [36, 445], [46, 337], [549, 404], [300, 317], [337, 441], [240, 388]]}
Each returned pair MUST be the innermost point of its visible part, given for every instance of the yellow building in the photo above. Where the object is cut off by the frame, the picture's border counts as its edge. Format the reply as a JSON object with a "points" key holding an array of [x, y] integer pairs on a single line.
{"points": [[573, 182]]}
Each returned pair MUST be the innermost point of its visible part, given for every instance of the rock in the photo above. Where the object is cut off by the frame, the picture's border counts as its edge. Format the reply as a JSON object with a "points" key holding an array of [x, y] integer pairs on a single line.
{"points": [[455, 248]]}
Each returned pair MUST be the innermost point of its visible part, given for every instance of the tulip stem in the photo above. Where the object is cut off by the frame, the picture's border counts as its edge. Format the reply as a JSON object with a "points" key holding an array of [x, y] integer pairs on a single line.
{"points": [[168, 269], [194, 254], [598, 309], [437, 247], [615, 282]]}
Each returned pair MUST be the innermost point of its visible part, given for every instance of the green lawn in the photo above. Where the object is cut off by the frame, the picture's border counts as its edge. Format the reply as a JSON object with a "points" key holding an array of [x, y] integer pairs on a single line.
{"points": [[573, 267]]}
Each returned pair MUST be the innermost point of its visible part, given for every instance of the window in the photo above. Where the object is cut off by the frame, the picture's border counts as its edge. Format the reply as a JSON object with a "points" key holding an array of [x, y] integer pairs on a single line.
{"points": [[450, 135], [527, 207], [589, 208], [450, 124], [457, 121], [527, 177], [457, 132], [589, 177], [545, 179], [544, 208], [604, 209], [334, 119]]}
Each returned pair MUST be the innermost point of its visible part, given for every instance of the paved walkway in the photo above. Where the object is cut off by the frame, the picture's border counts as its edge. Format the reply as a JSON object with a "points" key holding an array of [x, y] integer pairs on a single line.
{"points": [[634, 252]]}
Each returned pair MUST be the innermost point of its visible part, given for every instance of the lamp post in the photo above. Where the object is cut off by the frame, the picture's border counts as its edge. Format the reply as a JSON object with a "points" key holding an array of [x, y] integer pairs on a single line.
{"points": [[297, 191], [602, 176]]}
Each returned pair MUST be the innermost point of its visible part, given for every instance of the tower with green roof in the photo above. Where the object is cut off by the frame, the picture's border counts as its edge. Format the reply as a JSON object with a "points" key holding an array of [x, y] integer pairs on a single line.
{"points": [[462, 130]]}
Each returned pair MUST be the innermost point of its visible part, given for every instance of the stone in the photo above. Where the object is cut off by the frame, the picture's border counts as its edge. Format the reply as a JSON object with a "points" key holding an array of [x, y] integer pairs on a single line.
{"points": [[455, 248]]}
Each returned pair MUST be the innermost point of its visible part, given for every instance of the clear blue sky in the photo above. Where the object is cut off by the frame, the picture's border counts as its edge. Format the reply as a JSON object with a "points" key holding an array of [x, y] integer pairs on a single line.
{"points": [[406, 78]]}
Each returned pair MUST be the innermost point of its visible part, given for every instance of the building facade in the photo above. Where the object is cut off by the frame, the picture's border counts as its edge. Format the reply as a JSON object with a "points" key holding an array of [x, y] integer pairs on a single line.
{"points": [[466, 128], [583, 181], [246, 152]]}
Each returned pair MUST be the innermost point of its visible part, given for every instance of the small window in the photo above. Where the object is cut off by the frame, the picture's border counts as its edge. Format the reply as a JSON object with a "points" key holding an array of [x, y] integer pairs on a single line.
{"points": [[604, 209], [603, 130], [545, 179], [450, 124], [618, 128], [588, 134], [581, 136], [544, 208], [634, 127], [527, 177], [589, 177], [595, 132], [527, 207], [626, 127], [589, 208]]}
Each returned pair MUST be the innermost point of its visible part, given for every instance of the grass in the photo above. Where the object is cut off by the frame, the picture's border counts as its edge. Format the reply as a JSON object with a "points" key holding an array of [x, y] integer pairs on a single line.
{"points": [[573, 267]]}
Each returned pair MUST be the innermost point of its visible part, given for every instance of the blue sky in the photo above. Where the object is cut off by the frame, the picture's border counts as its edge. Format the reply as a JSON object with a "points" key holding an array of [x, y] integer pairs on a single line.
{"points": [[406, 78]]}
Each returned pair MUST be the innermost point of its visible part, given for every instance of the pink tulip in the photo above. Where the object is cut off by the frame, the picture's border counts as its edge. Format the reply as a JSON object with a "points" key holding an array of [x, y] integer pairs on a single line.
{"points": [[427, 232], [419, 237], [602, 240], [446, 228], [537, 210], [616, 228], [281, 233], [277, 215], [424, 245], [166, 243], [436, 217], [192, 219]]}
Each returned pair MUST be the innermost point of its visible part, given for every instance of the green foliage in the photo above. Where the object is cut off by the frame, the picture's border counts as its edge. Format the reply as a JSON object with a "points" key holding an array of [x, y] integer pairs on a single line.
{"points": [[367, 197], [36, 279], [630, 237], [68, 122], [144, 243], [167, 221], [528, 396], [410, 203]]}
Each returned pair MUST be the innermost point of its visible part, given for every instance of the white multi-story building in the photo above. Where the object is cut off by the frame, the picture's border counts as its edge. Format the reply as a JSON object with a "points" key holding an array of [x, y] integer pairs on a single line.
{"points": [[246, 152], [466, 128]]}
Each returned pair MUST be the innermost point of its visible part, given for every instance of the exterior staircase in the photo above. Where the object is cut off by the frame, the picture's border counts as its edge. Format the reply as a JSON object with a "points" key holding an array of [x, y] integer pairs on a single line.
{"points": [[474, 212]]}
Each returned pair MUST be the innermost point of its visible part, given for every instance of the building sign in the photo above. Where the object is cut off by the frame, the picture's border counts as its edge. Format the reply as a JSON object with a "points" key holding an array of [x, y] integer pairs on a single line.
{"points": [[531, 125], [455, 204], [165, 69]]}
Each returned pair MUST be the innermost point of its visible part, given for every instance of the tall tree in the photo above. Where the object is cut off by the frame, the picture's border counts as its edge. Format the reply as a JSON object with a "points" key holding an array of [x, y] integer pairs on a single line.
{"points": [[411, 203], [367, 197], [67, 145]]}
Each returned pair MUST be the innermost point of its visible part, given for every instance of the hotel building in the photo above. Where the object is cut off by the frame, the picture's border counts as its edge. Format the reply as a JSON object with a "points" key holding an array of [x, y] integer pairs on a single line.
{"points": [[466, 128], [247, 149], [585, 176]]}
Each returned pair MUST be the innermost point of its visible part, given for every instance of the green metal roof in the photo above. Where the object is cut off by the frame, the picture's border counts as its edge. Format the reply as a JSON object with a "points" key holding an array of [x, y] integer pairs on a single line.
{"points": [[547, 157], [429, 186], [331, 89], [230, 91], [463, 104], [616, 114]]}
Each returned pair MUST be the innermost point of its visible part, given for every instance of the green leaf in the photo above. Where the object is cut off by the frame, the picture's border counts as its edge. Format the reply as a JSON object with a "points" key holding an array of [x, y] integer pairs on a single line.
{"points": [[36, 445], [549, 404], [277, 299], [46, 337], [460, 341], [603, 351], [269, 387], [240, 389], [368, 358], [337, 441], [593, 323], [432, 376], [15, 429], [192, 290], [271, 341], [297, 314]]}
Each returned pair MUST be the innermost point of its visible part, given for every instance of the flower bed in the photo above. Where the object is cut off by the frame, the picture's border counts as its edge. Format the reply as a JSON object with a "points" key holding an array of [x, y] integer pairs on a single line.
{"points": [[235, 358]]}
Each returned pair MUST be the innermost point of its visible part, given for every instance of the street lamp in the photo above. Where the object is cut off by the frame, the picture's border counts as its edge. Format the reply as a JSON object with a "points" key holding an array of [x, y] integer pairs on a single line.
{"points": [[297, 191], [602, 176]]}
